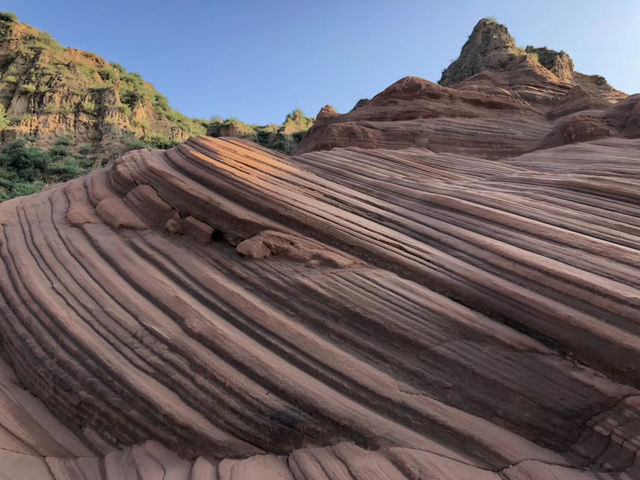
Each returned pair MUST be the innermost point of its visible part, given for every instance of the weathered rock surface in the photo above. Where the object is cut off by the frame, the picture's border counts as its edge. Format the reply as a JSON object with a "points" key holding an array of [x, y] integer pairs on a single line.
{"points": [[496, 100], [356, 314], [456, 295]]}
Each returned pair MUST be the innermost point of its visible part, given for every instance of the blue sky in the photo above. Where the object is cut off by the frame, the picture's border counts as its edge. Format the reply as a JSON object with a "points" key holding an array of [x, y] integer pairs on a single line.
{"points": [[258, 60]]}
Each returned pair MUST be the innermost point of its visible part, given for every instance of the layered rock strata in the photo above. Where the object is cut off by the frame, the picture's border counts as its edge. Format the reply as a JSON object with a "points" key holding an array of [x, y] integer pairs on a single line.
{"points": [[221, 311]]}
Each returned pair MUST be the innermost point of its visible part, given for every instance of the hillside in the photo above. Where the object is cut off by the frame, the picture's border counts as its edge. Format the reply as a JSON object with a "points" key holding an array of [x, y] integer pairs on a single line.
{"points": [[48, 91], [444, 284]]}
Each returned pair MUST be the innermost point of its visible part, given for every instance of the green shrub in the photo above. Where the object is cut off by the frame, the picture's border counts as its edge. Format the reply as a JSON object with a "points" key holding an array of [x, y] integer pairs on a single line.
{"points": [[22, 188], [4, 121], [130, 99], [8, 17], [66, 108], [30, 162], [124, 108], [108, 75], [90, 107], [64, 140], [10, 78], [25, 169], [159, 141], [28, 88], [68, 167], [298, 136], [119, 67], [133, 144]]}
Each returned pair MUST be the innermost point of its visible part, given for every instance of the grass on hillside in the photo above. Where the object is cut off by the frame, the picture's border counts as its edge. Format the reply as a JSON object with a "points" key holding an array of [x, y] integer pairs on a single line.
{"points": [[40, 63]]}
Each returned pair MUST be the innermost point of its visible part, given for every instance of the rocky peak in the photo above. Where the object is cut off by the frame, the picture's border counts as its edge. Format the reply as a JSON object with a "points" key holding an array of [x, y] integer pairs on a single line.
{"points": [[559, 63], [490, 46], [326, 112]]}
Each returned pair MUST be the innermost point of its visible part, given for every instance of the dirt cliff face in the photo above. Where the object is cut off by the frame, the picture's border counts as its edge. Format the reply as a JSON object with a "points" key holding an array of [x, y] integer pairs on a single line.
{"points": [[47, 91]]}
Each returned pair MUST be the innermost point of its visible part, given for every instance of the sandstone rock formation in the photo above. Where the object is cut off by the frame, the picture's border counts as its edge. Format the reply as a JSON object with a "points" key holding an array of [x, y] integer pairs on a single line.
{"points": [[360, 313], [496, 100], [454, 295]]}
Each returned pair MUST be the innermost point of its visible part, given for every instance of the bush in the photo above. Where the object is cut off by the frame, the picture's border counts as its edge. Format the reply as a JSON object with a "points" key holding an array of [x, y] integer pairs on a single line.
{"points": [[25, 169], [89, 106], [130, 99], [45, 40], [298, 136], [119, 67], [8, 17], [159, 141], [28, 88], [4, 121], [29, 162], [21, 188], [108, 75], [64, 140], [68, 168]]}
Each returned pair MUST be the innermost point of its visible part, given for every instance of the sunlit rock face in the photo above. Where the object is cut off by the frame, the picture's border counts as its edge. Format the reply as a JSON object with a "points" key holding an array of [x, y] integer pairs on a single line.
{"points": [[443, 284], [496, 100], [396, 310]]}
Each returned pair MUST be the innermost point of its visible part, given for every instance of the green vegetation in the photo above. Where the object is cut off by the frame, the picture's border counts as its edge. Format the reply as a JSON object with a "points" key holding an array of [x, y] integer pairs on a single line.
{"points": [[80, 81], [27, 88], [25, 169], [8, 17], [543, 55], [283, 137], [46, 41], [4, 121], [89, 106], [159, 141], [130, 112]]}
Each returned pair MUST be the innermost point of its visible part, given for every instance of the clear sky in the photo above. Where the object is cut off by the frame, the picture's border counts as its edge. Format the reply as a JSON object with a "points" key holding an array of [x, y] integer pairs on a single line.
{"points": [[258, 60]]}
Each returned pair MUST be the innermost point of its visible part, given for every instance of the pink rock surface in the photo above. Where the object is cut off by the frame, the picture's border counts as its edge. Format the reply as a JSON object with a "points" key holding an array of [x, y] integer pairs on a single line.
{"points": [[453, 295], [463, 317]]}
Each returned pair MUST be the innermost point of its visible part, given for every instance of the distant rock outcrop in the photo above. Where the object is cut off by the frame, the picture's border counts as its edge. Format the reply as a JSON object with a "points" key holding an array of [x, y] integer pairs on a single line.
{"points": [[283, 138], [496, 100], [489, 47]]}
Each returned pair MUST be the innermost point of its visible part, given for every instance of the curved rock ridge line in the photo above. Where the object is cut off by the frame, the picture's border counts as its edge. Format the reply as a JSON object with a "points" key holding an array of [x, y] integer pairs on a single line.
{"points": [[349, 314], [493, 114]]}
